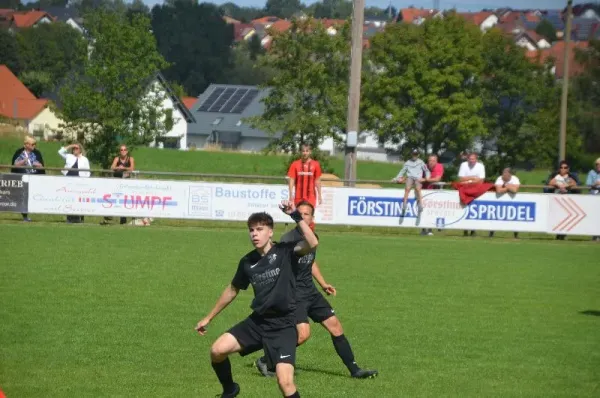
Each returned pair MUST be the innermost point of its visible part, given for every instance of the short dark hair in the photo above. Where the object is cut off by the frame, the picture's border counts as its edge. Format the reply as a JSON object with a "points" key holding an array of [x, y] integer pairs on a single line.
{"points": [[563, 163], [261, 218], [305, 203], [306, 144]]}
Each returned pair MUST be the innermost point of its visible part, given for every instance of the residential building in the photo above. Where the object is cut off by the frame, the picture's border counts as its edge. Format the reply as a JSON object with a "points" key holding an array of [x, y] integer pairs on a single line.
{"points": [[556, 55], [485, 20], [20, 106], [67, 15], [219, 114]]}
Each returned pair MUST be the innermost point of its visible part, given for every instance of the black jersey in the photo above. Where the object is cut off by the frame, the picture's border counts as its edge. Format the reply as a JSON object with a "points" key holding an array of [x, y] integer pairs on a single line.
{"points": [[273, 278], [304, 280], [122, 163]]}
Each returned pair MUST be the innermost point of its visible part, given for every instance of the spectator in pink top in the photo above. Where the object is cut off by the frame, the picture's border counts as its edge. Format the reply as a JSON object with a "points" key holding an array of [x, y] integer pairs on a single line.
{"points": [[436, 171]]}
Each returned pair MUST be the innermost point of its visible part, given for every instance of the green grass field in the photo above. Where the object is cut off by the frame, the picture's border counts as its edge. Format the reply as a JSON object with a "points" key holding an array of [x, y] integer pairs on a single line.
{"points": [[93, 311], [150, 159]]}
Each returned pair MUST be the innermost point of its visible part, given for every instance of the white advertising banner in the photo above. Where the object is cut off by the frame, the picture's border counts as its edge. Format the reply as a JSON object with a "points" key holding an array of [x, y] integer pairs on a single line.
{"points": [[107, 197], [574, 214], [523, 212], [441, 209]]}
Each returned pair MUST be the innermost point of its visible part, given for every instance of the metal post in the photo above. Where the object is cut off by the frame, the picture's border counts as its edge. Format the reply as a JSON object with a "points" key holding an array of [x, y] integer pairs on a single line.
{"points": [[354, 91], [562, 142]]}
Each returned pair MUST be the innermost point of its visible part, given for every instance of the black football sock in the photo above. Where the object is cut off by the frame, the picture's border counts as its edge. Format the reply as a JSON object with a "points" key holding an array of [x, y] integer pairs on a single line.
{"points": [[294, 395], [223, 371], [343, 349]]}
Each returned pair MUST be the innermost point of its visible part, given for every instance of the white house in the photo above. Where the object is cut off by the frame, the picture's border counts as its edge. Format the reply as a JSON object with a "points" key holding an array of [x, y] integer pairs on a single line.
{"points": [[181, 116]]}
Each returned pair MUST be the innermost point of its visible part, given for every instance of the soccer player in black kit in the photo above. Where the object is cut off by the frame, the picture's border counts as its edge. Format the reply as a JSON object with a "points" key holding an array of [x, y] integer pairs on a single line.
{"points": [[311, 303], [271, 269]]}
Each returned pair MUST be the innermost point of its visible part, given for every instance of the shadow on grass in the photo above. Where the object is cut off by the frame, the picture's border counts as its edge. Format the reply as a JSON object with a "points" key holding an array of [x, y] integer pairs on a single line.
{"points": [[301, 369], [590, 312]]}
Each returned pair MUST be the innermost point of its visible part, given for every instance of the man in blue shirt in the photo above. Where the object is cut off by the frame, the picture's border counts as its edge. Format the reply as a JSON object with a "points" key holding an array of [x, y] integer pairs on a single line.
{"points": [[593, 181]]}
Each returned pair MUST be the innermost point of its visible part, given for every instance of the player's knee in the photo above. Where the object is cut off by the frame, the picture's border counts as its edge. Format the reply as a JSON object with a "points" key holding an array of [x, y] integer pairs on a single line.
{"points": [[285, 378], [220, 349], [303, 334], [334, 326], [217, 352]]}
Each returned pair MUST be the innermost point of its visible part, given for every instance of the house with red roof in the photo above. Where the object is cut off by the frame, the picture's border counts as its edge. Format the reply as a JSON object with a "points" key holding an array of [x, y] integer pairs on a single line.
{"points": [[485, 20], [555, 55], [26, 19], [417, 16], [18, 104]]}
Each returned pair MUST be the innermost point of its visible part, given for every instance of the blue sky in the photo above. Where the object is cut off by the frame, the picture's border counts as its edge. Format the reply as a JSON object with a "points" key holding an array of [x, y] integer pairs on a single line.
{"points": [[461, 5]]}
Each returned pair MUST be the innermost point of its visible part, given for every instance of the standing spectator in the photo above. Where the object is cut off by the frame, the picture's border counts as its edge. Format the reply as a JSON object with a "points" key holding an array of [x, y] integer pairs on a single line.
{"points": [[507, 183], [563, 183], [471, 172], [304, 178], [593, 181], [413, 169], [122, 166], [28, 155], [75, 160], [436, 173]]}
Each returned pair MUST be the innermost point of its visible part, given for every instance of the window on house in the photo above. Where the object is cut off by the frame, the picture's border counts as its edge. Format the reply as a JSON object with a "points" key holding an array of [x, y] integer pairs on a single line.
{"points": [[239, 123], [217, 121]]}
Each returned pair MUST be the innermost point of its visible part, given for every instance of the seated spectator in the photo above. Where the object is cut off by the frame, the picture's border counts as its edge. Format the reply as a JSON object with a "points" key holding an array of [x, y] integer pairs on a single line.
{"points": [[436, 173], [593, 182], [507, 183], [564, 182], [74, 161], [28, 155], [471, 172], [593, 179]]}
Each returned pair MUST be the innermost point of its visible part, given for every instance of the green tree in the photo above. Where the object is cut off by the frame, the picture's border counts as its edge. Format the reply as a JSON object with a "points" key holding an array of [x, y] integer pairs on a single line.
{"points": [[37, 82], [51, 49], [308, 94], [546, 29], [518, 96], [336, 9], [12, 4], [9, 51], [247, 69], [195, 40], [424, 88], [587, 93], [282, 8], [108, 102]]}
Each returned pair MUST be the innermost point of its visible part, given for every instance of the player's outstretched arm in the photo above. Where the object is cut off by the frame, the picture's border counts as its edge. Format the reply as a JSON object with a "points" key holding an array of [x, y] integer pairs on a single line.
{"points": [[228, 295], [316, 273], [311, 242]]}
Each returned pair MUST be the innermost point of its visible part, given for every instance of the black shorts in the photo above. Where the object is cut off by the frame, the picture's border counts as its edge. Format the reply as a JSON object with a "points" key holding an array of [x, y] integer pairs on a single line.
{"points": [[316, 307], [278, 344]]}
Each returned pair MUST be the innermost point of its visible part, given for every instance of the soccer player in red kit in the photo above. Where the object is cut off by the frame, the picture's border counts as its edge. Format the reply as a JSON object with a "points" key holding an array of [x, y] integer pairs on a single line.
{"points": [[304, 179]]}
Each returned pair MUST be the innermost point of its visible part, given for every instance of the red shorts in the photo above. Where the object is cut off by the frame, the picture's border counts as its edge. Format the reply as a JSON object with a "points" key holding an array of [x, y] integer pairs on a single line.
{"points": [[312, 201]]}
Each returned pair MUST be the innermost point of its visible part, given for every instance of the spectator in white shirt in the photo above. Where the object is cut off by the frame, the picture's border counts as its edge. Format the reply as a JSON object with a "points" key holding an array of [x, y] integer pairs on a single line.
{"points": [[471, 172], [75, 160], [507, 183]]}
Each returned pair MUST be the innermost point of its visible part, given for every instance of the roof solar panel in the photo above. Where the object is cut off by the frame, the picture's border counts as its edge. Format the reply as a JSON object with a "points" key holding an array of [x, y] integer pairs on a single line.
{"points": [[211, 99], [235, 98], [245, 101], [218, 104]]}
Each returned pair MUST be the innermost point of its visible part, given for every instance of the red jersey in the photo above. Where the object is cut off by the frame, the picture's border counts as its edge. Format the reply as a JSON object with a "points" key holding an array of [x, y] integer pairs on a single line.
{"points": [[305, 174], [437, 171]]}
